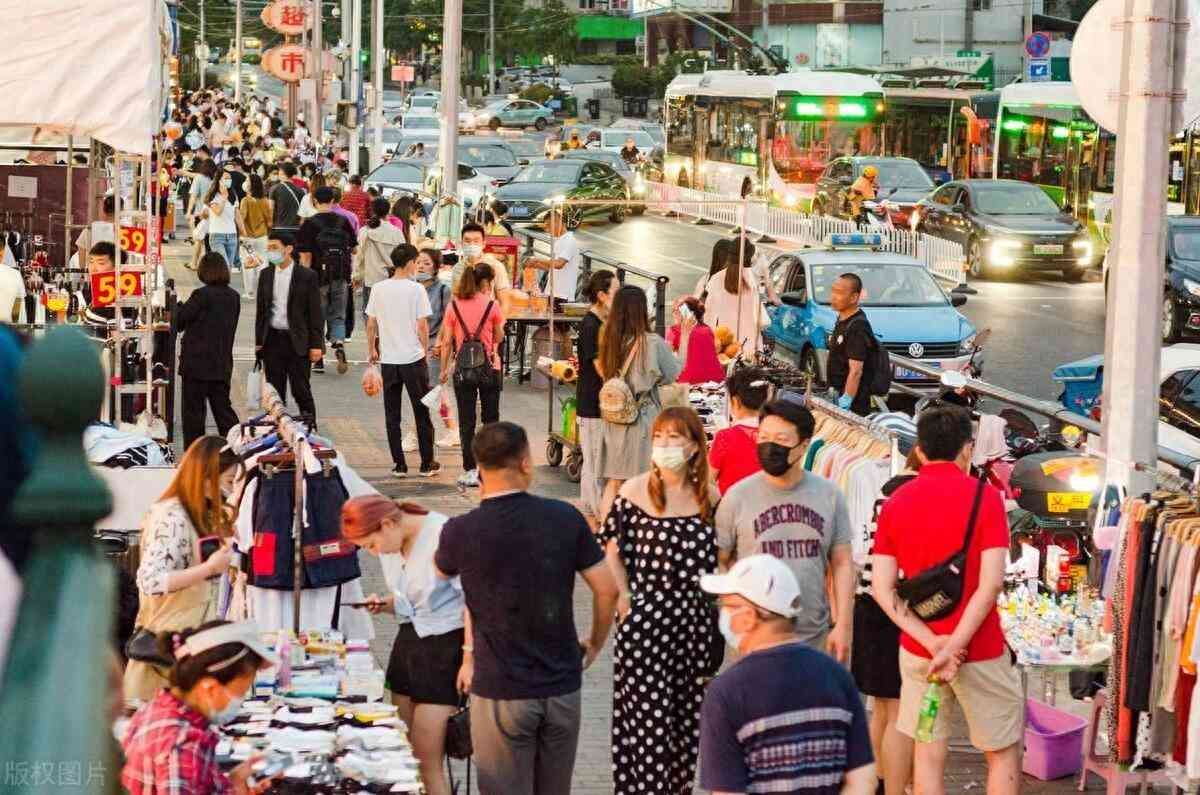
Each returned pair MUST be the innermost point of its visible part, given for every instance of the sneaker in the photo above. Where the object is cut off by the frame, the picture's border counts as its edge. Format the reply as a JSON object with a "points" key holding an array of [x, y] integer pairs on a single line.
{"points": [[409, 444], [449, 440], [429, 470], [400, 472], [342, 365], [469, 479], [319, 367]]}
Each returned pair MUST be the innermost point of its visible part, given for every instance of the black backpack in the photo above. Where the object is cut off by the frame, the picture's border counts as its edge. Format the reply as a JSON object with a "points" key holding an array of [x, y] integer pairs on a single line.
{"points": [[878, 366], [472, 364], [334, 251]]}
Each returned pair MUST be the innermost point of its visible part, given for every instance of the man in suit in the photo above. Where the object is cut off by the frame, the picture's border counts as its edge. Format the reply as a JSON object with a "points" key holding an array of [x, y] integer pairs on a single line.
{"points": [[289, 327]]}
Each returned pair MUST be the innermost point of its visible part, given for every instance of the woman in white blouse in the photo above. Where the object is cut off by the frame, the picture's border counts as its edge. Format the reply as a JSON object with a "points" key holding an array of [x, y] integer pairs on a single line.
{"points": [[427, 661], [176, 588]]}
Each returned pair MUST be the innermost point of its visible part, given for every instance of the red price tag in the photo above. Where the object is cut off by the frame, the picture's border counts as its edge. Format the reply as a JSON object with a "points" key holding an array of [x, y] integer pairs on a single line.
{"points": [[104, 287], [133, 239]]}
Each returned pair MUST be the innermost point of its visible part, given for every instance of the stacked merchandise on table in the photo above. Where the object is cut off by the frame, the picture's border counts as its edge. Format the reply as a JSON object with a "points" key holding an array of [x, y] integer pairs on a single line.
{"points": [[318, 717], [1154, 606], [1054, 629], [712, 404]]}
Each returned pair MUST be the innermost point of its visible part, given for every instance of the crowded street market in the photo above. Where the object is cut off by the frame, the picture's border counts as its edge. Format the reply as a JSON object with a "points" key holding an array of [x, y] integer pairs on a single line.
{"points": [[773, 431]]}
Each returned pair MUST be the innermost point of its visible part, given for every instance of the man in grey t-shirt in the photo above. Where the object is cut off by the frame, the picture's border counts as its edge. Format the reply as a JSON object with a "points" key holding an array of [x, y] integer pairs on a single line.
{"points": [[799, 518]]}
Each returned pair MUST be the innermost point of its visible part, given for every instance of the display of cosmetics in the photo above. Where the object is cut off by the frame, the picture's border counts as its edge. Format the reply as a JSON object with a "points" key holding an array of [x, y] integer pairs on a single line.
{"points": [[1055, 628]]}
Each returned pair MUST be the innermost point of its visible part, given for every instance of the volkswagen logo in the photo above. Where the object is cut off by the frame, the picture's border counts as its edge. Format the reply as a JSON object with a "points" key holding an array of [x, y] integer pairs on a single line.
{"points": [[916, 350]]}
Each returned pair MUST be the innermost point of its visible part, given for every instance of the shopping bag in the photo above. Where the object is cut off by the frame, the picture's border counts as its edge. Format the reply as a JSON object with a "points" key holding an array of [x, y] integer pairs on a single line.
{"points": [[433, 397], [254, 386], [372, 381], [250, 258]]}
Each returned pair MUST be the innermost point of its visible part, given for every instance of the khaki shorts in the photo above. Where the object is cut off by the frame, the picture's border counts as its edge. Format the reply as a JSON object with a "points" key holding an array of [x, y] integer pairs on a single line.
{"points": [[988, 692]]}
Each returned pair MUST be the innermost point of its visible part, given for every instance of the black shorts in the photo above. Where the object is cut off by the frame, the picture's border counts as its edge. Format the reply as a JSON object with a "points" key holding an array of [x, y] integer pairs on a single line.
{"points": [[426, 669], [875, 661]]}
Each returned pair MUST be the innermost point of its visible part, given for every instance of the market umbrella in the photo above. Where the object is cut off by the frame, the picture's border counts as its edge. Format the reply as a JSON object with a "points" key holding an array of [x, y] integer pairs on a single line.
{"points": [[55, 692]]}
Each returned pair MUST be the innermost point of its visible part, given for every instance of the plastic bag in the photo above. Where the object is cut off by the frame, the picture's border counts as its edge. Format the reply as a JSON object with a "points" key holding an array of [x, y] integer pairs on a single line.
{"points": [[433, 397], [254, 386], [372, 381]]}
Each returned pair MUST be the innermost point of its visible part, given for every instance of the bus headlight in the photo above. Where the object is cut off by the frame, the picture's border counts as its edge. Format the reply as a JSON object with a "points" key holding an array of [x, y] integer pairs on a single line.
{"points": [[1003, 252], [1083, 250]]}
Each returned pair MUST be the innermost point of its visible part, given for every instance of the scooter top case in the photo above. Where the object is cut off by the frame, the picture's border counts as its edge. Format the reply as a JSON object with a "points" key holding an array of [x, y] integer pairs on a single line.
{"points": [[1058, 486]]}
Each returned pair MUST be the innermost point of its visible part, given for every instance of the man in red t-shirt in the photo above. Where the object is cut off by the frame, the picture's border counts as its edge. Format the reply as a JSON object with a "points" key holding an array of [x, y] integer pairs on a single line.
{"points": [[357, 200], [921, 525]]}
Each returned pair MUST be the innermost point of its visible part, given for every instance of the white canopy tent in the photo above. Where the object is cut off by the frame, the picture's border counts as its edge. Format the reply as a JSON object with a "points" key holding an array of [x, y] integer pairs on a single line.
{"points": [[87, 68]]}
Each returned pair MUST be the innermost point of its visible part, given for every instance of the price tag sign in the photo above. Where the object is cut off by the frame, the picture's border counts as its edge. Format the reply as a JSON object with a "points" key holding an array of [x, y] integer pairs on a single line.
{"points": [[104, 287], [133, 239]]}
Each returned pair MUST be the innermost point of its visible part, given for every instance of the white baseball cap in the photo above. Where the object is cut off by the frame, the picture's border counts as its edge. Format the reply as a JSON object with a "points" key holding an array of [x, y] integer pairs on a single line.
{"points": [[246, 633], [765, 580]]}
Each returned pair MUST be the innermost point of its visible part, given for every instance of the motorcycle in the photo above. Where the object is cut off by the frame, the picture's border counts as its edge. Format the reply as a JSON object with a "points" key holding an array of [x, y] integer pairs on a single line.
{"points": [[875, 215]]}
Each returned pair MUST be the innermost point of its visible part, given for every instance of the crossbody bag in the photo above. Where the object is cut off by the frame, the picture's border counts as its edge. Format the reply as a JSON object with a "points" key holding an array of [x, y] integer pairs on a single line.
{"points": [[936, 592]]}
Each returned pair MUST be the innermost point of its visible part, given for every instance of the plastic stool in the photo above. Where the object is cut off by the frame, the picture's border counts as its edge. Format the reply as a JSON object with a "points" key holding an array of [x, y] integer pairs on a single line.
{"points": [[1118, 780]]}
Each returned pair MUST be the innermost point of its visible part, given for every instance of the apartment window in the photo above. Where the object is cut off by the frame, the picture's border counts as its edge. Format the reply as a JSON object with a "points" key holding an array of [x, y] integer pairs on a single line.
{"points": [[981, 5]]}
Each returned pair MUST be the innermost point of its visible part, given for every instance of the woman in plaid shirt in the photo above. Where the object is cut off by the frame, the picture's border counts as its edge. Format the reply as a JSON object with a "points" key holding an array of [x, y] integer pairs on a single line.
{"points": [[170, 745]]}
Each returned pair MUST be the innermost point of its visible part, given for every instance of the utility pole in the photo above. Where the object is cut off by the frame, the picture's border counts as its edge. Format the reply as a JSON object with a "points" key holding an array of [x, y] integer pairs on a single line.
{"points": [[491, 48], [237, 67], [451, 55], [316, 125], [377, 68], [203, 47], [356, 80], [1132, 341], [766, 21]]}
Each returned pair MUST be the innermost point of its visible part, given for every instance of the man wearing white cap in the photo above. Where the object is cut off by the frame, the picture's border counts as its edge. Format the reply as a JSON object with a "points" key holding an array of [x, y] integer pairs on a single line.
{"points": [[759, 731]]}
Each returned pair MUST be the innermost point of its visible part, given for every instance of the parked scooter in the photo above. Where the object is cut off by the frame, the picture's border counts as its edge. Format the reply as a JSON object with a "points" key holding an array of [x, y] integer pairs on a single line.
{"points": [[875, 215]]}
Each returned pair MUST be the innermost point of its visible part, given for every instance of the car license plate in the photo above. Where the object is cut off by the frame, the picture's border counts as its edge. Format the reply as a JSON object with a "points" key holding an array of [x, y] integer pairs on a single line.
{"points": [[1048, 248], [518, 211], [904, 374]]}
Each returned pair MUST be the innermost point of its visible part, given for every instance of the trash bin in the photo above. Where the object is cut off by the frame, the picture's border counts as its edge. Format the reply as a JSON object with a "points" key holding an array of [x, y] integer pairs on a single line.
{"points": [[1053, 742], [594, 108], [570, 106]]}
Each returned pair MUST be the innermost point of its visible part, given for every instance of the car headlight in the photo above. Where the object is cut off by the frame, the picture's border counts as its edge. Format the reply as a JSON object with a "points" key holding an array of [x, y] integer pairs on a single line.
{"points": [[1192, 287], [1083, 250], [1003, 252], [966, 344]]}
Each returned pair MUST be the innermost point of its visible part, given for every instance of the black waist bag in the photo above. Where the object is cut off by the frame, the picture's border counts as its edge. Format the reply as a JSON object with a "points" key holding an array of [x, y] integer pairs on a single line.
{"points": [[936, 592], [327, 559]]}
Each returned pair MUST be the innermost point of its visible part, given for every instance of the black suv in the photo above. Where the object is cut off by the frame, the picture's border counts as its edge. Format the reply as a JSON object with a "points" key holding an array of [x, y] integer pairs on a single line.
{"points": [[902, 173]]}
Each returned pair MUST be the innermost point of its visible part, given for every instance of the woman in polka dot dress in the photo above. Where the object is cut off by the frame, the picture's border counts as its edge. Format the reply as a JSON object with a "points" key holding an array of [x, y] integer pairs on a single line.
{"points": [[659, 539]]}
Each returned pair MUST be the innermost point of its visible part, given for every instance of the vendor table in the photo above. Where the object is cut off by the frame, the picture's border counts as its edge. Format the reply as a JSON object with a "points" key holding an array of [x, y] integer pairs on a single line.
{"points": [[1050, 671], [516, 331]]}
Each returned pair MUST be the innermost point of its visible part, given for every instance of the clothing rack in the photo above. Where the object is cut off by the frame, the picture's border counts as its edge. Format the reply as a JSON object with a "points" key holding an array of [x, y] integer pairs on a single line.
{"points": [[891, 438]]}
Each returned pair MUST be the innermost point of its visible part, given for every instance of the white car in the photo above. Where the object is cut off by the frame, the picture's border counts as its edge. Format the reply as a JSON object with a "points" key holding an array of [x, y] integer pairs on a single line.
{"points": [[423, 101], [420, 126], [1179, 399], [410, 175], [612, 140]]}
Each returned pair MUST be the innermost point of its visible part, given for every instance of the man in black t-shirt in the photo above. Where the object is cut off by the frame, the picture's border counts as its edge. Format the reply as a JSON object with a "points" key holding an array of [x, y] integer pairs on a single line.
{"points": [[850, 345], [327, 243], [517, 556], [285, 201]]}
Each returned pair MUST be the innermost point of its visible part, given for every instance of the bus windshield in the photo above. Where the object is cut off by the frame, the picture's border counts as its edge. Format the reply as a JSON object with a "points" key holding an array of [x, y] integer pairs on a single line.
{"points": [[802, 149]]}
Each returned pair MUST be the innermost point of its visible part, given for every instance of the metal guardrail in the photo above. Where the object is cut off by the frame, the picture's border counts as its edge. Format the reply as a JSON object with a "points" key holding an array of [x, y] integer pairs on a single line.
{"points": [[1043, 408], [945, 259], [540, 241]]}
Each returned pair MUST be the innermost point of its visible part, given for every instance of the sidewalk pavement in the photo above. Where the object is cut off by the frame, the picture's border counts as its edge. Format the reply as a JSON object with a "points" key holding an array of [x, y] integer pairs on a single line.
{"points": [[355, 423]]}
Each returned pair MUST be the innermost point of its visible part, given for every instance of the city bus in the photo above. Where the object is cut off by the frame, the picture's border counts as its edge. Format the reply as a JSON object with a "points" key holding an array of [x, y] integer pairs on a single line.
{"points": [[734, 133], [928, 125], [1044, 136]]}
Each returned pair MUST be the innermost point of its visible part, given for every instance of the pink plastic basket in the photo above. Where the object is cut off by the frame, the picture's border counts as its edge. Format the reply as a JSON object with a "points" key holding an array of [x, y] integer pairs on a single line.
{"points": [[1053, 741]]}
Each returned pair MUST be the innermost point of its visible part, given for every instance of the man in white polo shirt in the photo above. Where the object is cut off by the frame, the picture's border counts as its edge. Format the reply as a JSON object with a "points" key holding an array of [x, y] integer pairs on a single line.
{"points": [[564, 258]]}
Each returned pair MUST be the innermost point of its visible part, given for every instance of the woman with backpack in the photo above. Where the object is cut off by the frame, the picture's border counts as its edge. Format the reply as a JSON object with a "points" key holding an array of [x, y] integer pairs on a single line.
{"points": [[472, 327], [376, 240], [632, 363]]}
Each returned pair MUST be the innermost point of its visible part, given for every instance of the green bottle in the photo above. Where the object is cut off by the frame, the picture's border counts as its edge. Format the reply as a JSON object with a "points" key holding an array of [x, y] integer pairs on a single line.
{"points": [[930, 705]]}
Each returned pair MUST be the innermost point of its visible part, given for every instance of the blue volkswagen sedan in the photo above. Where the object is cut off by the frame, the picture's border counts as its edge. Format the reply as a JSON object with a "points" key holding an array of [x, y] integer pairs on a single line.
{"points": [[911, 313]]}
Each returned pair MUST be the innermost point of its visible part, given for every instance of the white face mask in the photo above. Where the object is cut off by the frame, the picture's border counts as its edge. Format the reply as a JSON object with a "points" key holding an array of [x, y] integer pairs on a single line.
{"points": [[231, 710], [473, 249], [446, 276], [725, 624], [226, 182], [672, 458]]}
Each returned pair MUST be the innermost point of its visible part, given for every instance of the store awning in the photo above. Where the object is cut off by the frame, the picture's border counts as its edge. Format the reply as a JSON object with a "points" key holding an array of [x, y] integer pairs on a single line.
{"points": [[94, 69], [598, 27]]}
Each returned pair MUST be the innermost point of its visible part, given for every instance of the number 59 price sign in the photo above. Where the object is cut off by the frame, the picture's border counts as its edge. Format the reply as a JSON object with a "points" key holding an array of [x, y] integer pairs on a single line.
{"points": [[104, 287], [133, 239]]}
